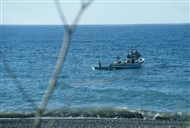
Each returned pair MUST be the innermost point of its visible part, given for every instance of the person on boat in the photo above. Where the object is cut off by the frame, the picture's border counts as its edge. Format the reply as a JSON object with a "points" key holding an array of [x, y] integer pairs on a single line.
{"points": [[128, 61], [117, 60], [137, 54], [99, 63], [133, 60]]}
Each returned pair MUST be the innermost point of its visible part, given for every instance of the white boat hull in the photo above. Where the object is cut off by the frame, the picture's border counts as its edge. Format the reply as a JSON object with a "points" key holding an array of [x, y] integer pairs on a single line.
{"points": [[128, 65], [121, 66], [132, 62]]}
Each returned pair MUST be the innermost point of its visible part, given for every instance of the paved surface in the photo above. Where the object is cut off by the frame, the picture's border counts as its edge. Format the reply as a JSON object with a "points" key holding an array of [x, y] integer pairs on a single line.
{"points": [[91, 123]]}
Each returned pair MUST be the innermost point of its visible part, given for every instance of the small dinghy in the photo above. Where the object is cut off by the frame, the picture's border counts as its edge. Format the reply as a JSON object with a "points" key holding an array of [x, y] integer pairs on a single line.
{"points": [[102, 68]]}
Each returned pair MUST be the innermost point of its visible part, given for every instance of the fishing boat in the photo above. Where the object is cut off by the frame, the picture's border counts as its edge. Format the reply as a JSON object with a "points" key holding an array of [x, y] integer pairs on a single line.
{"points": [[134, 60]]}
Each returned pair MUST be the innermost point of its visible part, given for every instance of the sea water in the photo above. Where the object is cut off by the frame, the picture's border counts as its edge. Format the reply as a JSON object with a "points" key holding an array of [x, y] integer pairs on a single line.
{"points": [[159, 89]]}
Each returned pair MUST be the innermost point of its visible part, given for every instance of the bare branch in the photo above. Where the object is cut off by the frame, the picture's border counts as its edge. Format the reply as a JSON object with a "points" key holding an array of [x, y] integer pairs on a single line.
{"points": [[83, 7], [59, 63], [63, 19]]}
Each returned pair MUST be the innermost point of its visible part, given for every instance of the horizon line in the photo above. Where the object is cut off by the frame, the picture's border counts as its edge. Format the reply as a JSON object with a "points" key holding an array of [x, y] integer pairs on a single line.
{"points": [[102, 24]]}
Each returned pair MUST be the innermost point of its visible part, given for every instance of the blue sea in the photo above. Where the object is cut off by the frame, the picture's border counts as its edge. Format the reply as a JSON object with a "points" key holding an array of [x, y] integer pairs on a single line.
{"points": [[160, 89]]}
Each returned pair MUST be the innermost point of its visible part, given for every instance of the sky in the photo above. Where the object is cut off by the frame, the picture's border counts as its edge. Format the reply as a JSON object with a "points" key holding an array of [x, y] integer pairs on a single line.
{"points": [[45, 12]]}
